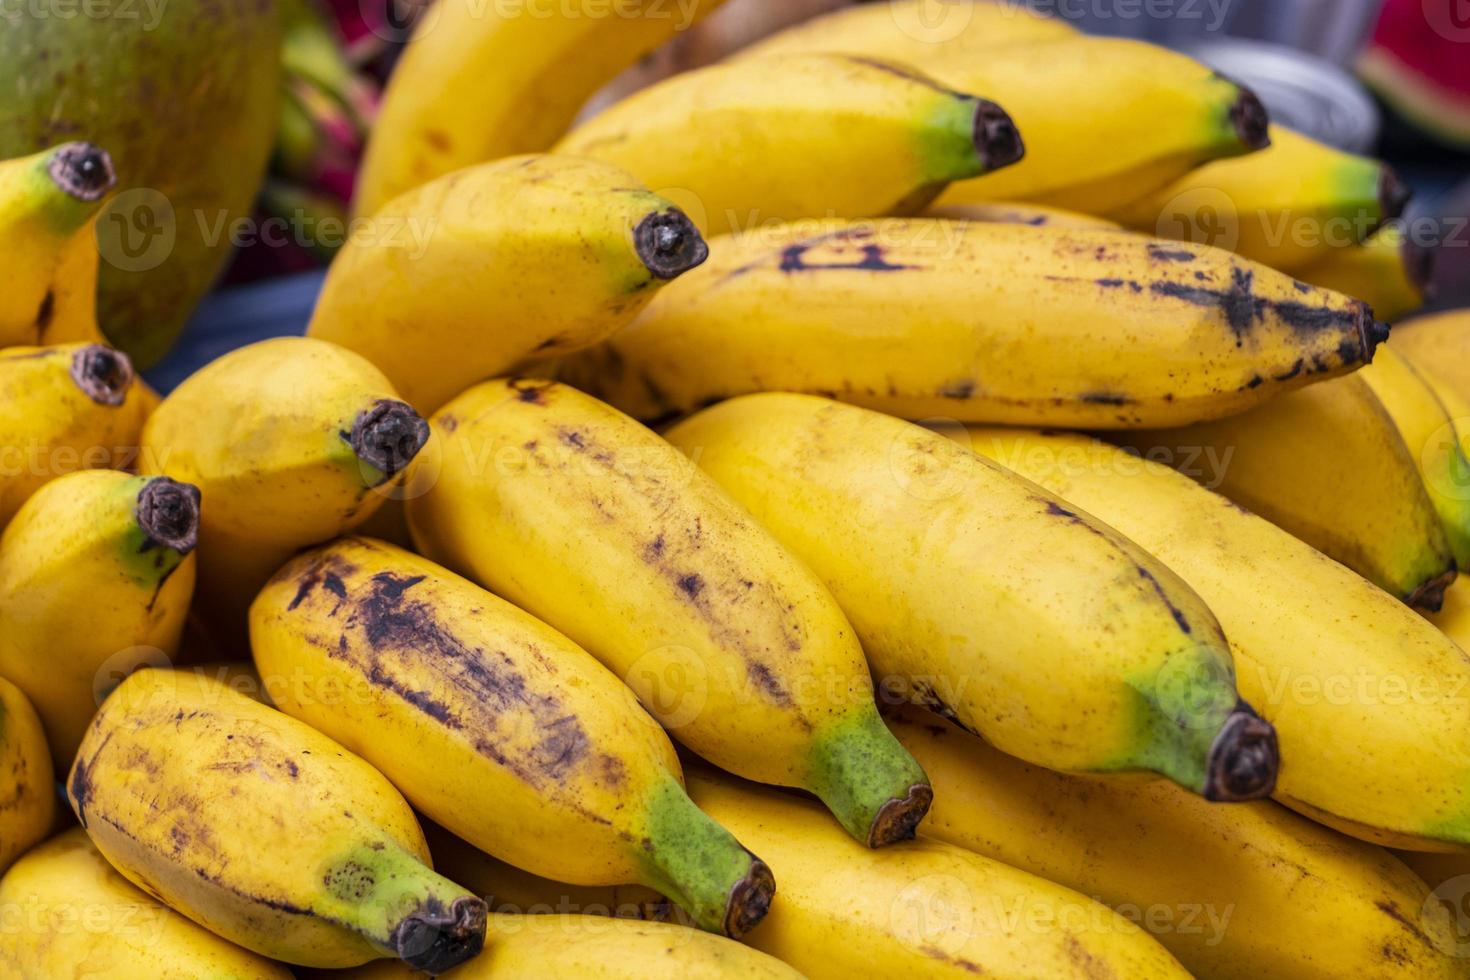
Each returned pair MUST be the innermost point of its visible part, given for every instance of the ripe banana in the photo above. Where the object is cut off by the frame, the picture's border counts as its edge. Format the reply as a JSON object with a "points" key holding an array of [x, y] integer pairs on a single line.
{"points": [[49, 277], [1328, 464], [1454, 616], [1236, 893], [1368, 699], [70, 915], [477, 271], [496, 726], [1440, 345], [746, 143], [1289, 206], [63, 408], [583, 517], [96, 573], [28, 809], [1021, 213], [263, 830], [987, 599], [966, 320], [1388, 271], [439, 115], [925, 908]]}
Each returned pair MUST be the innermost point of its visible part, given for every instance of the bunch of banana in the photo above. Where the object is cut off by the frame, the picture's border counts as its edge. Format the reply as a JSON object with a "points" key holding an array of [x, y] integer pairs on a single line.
{"points": [[477, 271], [750, 142], [63, 408], [482, 82], [1290, 206], [1367, 698], [983, 597], [96, 574], [1389, 271], [49, 278], [599, 527], [496, 726], [978, 321], [1329, 464], [263, 830], [28, 808], [1238, 892], [1440, 345]]}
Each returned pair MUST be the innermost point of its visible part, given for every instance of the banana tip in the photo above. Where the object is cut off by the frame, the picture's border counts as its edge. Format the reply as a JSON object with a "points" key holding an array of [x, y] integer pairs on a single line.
{"points": [[1251, 121], [168, 513], [668, 243], [1430, 595], [750, 900], [388, 436], [1393, 195], [997, 139], [898, 819], [1244, 758], [436, 939], [82, 170], [103, 374], [1418, 266]]}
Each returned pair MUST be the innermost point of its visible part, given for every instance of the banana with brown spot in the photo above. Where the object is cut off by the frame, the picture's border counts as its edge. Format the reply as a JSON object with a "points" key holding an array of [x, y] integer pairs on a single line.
{"points": [[28, 809]]}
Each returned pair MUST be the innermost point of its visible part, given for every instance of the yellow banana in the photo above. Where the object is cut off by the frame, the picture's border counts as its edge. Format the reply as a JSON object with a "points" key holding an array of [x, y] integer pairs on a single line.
{"points": [[28, 809], [47, 203], [1328, 464], [96, 573], [1388, 271], [70, 916], [63, 408], [1453, 618], [1440, 345], [966, 320], [981, 596], [922, 909], [1289, 206], [496, 726], [263, 830], [438, 114], [745, 143], [475, 272], [1021, 213], [580, 515], [1368, 699], [1236, 893]]}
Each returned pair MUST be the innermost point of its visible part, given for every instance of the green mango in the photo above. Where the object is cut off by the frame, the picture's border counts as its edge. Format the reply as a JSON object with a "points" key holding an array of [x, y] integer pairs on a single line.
{"points": [[185, 95]]}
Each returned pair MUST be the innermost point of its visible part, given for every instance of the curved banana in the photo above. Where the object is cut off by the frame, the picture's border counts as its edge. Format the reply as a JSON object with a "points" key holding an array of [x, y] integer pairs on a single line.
{"points": [[263, 830], [28, 810], [49, 277], [1440, 345], [1021, 213], [1328, 464], [96, 573], [63, 408], [1388, 271], [924, 318], [1236, 893], [438, 114], [473, 273], [70, 915], [599, 527], [1291, 205], [496, 726], [746, 143], [981, 596], [1369, 700]]}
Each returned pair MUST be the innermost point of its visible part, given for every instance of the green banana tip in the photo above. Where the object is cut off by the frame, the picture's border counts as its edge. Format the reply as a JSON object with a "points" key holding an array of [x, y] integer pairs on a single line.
{"points": [[103, 374], [82, 170], [168, 513], [435, 939], [997, 139], [898, 819], [1244, 758]]}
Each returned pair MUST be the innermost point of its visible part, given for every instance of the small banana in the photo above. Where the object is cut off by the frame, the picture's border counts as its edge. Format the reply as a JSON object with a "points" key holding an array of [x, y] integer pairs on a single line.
{"points": [[28, 809], [1368, 699], [1289, 206], [63, 408], [96, 573], [263, 830], [1439, 344], [496, 726], [49, 277], [473, 273], [599, 527], [1389, 271], [981, 596], [742, 144], [925, 318], [1328, 464], [1022, 213], [1236, 893]]}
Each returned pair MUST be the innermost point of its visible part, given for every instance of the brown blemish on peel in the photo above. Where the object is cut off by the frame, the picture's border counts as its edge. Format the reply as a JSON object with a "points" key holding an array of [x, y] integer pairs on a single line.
{"points": [[1166, 253], [531, 391]]}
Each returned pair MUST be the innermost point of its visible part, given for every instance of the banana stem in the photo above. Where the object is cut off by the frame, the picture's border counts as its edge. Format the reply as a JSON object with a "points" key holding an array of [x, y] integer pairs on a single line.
{"points": [[388, 436], [103, 374], [82, 171], [869, 781], [1244, 758], [668, 243], [168, 514]]}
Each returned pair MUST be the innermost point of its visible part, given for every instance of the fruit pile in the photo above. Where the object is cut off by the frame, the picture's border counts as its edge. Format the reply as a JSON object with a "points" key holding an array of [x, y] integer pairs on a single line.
{"points": [[666, 554]]}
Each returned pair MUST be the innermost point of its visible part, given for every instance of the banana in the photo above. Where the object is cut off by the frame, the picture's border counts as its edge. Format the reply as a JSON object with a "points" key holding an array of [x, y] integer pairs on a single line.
{"points": [[63, 408], [477, 271], [1367, 698], [96, 573], [924, 909], [293, 442], [987, 599], [1388, 271], [28, 810], [1021, 213], [745, 143], [1291, 205], [924, 318], [1235, 893], [594, 524], [1453, 618], [69, 916], [49, 277], [438, 114], [1327, 464], [263, 830], [1440, 345], [496, 726], [1447, 874]]}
